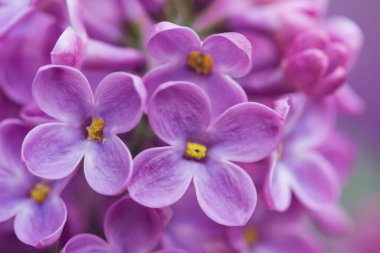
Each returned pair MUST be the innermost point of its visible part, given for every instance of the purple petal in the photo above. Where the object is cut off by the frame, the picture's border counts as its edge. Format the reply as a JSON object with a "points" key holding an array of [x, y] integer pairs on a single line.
{"points": [[314, 38], [119, 99], [305, 69], [86, 243], [225, 193], [14, 183], [223, 93], [9, 205], [76, 10], [69, 50], [12, 134], [349, 101], [331, 82], [282, 107], [277, 191], [40, 225], [332, 220], [23, 53], [63, 93], [108, 166], [170, 42], [130, 227], [314, 181], [341, 159], [222, 90], [348, 32], [177, 111], [231, 53], [12, 14], [53, 150], [161, 176], [246, 132], [311, 123]]}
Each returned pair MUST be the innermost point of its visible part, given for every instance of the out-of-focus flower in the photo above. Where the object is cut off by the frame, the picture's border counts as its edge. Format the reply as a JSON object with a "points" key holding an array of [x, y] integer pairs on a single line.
{"points": [[271, 28], [201, 151], [273, 232], [297, 166], [87, 126], [39, 212], [210, 64], [24, 49], [128, 228], [190, 229], [297, 49], [318, 60]]}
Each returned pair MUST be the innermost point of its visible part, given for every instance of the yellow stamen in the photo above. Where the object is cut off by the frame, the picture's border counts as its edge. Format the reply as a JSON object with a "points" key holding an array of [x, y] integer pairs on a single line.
{"points": [[199, 62], [40, 192], [95, 130], [195, 151], [251, 236]]}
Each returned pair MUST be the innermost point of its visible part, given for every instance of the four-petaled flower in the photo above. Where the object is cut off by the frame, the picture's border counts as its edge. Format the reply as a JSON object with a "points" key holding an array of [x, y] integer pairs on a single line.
{"points": [[201, 151], [87, 126], [210, 64], [39, 212]]}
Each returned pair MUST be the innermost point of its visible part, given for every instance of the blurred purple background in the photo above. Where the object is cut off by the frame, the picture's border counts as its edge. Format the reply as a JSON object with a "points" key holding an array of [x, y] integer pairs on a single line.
{"points": [[365, 79]]}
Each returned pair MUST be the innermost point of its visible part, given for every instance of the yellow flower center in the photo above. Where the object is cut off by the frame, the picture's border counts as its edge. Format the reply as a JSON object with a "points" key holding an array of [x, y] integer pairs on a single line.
{"points": [[199, 62], [251, 236], [40, 192], [95, 130], [195, 151]]}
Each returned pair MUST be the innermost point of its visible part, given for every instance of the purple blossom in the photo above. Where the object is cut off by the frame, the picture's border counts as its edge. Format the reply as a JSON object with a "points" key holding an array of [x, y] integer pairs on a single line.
{"points": [[297, 166], [272, 232], [39, 212], [87, 125], [128, 228], [318, 60], [209, 63], [201, 151]]}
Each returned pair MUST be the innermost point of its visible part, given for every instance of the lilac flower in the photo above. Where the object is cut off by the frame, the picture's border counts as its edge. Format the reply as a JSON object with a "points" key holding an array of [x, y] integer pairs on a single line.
{"points": [[271, 27], [190, 229], [39, 212], [272, 232], [275, 232], [297, 165], [333, 219], [87, 126], [318, 61], [128, 228], [210, 64], [201, 151]]}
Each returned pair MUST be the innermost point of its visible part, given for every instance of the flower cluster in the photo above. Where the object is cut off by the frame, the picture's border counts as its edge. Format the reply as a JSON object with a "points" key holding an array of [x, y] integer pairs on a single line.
{"points": [[173, 126]]}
